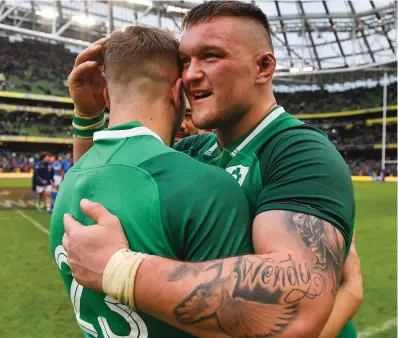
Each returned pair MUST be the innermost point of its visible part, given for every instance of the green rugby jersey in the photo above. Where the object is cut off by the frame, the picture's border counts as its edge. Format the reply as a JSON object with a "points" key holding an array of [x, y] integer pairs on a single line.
{"points": [[284, 164], [168, 204]]}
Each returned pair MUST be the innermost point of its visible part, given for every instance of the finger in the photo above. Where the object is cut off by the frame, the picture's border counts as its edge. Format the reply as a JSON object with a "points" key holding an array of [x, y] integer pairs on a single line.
{"points": [[91, 53], [101, 42], [97, 213], [70, 224], [79, 73], [65, 241]]}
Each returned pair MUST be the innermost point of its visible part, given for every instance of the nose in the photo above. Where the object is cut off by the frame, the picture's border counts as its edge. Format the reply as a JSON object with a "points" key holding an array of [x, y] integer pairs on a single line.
{"points": [[192, 73]]}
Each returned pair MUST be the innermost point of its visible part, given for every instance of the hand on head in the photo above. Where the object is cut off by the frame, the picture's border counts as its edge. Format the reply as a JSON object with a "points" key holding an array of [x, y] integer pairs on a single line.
{"points": [[86, 82]]}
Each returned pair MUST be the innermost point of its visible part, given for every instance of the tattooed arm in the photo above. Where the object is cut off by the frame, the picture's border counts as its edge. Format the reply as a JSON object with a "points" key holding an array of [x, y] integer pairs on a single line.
{"points": [[348, 297], [287, 289]]}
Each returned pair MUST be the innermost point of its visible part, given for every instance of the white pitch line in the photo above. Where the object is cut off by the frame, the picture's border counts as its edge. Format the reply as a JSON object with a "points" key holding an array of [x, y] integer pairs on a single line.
{"points": [[371, 331], [33, 221]]}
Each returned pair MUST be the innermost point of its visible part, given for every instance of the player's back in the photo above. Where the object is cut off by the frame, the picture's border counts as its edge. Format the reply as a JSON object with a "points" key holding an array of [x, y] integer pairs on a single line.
{"points": [[169, 205]]}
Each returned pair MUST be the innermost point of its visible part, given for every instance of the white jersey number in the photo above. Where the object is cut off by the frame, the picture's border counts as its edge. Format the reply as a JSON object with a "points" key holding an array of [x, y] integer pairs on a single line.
{"points": [[138, 328]]}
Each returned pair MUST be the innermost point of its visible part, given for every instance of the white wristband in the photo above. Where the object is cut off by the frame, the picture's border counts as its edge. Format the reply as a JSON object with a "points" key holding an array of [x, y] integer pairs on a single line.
{"points": [[119, 276]]}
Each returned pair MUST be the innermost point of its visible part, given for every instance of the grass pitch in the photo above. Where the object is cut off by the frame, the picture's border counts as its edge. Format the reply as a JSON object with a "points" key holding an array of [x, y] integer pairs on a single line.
{"points": [[34, 302]]}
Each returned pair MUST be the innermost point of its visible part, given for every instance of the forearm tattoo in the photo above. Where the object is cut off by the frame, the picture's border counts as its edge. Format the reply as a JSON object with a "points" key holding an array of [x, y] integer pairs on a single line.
{"points": [[259, 296]]}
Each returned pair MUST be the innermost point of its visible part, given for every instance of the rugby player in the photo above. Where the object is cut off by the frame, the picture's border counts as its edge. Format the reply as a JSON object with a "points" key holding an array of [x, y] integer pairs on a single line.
{"points": [[160, 195], [298, 187], [43, 180], [58, 174]]}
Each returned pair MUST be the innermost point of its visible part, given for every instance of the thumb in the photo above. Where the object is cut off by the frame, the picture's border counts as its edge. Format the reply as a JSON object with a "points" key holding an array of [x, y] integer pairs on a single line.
{"points": [[98, 213], [70, 224]]}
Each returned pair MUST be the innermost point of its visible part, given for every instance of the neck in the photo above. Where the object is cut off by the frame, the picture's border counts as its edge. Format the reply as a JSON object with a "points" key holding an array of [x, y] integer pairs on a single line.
{"points": [[153, 114], [231, 132]]}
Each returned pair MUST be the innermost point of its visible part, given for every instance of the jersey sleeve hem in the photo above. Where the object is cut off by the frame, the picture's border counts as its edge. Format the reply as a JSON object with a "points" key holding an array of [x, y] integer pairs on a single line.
{"points": [[305, 210]]}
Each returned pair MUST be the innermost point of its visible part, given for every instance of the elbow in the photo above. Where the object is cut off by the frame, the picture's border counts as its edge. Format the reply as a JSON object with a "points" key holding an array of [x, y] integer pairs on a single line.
{"points": [[307, 328], [355, 297], [310, 323]]}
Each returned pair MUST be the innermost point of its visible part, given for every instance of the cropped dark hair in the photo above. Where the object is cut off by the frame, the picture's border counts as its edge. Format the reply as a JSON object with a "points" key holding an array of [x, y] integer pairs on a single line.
{"points": [[211, 9]]}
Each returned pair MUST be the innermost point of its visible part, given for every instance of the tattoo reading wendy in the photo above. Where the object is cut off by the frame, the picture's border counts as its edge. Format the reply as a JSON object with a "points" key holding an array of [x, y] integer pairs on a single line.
{"points": [[260, 297]]}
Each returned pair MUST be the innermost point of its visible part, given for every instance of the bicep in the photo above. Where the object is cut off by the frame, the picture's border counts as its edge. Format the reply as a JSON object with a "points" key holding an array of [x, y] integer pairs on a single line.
{"points": [[304, 238]]}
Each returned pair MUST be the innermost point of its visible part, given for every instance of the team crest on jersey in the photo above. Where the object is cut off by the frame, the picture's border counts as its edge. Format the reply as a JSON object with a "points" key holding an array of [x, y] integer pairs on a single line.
{"points": [[238, 172]]}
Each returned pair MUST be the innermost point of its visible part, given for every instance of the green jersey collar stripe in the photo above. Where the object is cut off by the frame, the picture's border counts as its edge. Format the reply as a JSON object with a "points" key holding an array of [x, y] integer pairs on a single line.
{"points": [[118, 134], [211, 150], [270, 118]]}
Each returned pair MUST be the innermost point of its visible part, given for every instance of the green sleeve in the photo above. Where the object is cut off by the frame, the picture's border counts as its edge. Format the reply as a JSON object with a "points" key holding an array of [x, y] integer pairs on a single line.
{"points": [[191, 144], [303, 172], [184, 144], [204, 210]]}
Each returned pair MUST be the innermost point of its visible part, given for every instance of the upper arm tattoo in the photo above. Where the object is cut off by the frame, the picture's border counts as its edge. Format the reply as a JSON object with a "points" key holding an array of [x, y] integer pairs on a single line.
{"points": [[259, 296], [322, 238]]}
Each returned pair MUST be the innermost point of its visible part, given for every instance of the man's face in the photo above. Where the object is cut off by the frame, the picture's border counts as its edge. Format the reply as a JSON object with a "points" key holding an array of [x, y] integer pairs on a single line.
{"points": [[219, 71], [187, 126]]}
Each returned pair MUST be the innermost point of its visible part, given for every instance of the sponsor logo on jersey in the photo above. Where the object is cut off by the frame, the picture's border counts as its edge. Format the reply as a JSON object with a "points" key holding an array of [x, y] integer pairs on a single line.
{"points": [[238, 172]]}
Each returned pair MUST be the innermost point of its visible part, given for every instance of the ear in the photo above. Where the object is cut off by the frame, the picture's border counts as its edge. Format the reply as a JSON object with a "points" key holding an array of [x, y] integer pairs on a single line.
{"points": [[177, 95], [266, 64], [106, 97]]}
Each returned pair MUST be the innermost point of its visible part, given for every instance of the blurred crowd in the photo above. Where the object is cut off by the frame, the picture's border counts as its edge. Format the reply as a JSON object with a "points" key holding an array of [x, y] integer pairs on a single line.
{"points": [[24, 162], [35, 124], [13, 162], [362, 166], [34, 67], [324, 101], [361, 136], [38, 67]]}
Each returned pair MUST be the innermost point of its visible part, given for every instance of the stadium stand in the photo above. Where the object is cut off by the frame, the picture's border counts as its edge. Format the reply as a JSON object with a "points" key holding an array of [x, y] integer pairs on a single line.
{"points": [[35, 113], [34, 67], [324, 101]]}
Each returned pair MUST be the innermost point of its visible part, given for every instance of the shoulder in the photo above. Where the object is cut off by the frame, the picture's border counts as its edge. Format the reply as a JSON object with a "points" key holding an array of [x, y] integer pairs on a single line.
{"points": [[302, 171], [178, 169], [303, 145]]}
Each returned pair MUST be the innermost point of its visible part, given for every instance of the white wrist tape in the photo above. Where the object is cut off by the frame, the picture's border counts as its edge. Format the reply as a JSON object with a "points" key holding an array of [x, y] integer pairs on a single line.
{"points": [[119, 276]]}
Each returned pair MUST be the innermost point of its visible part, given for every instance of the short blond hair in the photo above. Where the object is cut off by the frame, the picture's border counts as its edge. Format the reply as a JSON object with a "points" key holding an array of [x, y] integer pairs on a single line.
{"points": [[139, 51]]}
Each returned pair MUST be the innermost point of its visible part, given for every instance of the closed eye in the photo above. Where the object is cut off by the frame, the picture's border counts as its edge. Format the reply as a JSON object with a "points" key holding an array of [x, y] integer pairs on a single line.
{"points": [[210, 56]]}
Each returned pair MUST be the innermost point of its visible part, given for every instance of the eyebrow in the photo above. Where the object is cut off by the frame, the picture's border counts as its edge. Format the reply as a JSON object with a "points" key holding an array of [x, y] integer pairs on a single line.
{"points": [[204, 48]]}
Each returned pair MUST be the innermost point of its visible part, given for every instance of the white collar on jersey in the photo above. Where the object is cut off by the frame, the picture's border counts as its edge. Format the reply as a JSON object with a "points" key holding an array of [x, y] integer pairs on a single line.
{"points": [[117, 134], [264, 123]]}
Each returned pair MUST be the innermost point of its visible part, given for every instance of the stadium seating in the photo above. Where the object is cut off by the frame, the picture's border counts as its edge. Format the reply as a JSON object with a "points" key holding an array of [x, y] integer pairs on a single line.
{"points": [[35, 67], [42, 68], [12, 162], [35, 124], [324, 101]]}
